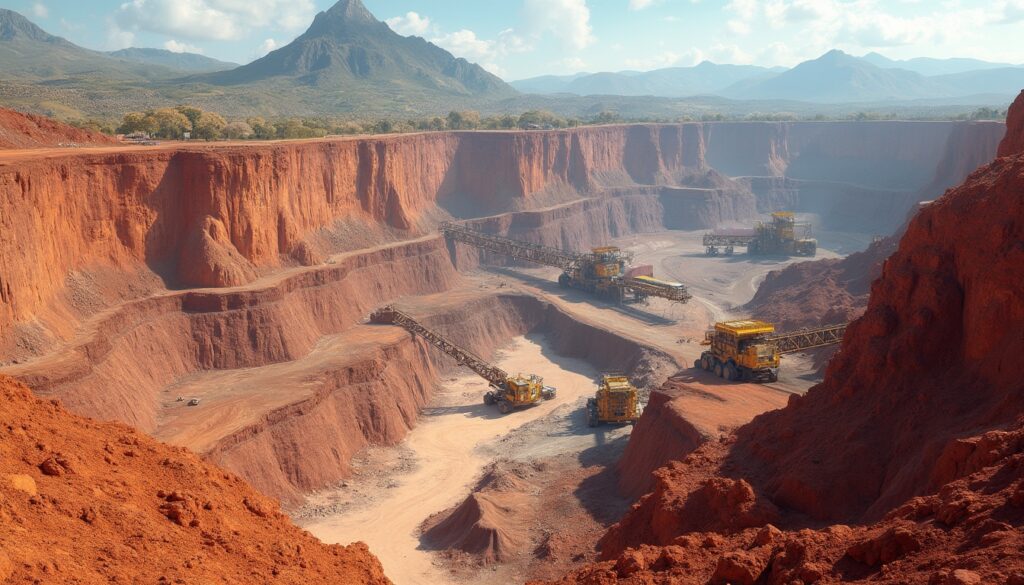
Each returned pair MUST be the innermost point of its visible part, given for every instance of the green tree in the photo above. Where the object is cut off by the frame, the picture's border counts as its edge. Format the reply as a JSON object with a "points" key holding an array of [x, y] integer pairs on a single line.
{"points": [[170, 123], [137, 122], [208, 126], [465, 120], [262, 129], [192, 113], [238, 130]]}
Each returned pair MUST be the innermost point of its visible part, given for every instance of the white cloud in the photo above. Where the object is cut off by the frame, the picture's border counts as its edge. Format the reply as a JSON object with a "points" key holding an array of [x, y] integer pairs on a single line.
{"points": [[119, 39], [639, 4], [410, 24], [573, 64], [464, 43], [212, 19], [39, 10], [568, 20], [267, 46], [176, 47], [663, 59]]}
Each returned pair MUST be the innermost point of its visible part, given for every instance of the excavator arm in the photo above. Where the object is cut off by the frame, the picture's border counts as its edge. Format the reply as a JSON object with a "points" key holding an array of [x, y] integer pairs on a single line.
{"points": [[392, 316]]}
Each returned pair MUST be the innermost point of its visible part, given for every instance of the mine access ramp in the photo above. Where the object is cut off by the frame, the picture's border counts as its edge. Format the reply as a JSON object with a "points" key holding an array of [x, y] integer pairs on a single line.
{"points": [[601, 272], [508, 392]]}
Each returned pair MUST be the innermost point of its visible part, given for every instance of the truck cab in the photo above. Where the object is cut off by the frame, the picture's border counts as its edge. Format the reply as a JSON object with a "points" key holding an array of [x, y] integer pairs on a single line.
{"points": [[519, 390]]}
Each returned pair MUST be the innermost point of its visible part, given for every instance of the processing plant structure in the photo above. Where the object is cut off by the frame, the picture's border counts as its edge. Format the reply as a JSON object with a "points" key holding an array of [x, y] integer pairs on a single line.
{"points": [[749, 350], [507, 391], [783, 235], [602, 272]]}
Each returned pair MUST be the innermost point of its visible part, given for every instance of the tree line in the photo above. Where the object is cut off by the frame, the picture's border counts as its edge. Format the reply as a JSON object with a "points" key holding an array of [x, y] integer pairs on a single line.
{"points": [[174, 123]]}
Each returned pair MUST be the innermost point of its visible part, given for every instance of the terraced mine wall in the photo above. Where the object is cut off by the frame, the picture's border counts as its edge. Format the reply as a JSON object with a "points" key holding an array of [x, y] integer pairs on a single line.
{"points": [[111, 226]]}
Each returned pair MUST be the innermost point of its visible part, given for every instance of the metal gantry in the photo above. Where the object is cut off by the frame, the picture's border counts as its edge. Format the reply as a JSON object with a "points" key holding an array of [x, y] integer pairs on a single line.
{"points": [[392, 316], [536, 253], [808, 338]]}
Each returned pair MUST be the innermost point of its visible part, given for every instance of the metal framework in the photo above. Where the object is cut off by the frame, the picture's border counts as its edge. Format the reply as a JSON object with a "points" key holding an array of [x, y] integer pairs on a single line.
{"points": [[536, 253], [671, 291], [392, 316], [725, 240], [569, 262], [807, 338]]}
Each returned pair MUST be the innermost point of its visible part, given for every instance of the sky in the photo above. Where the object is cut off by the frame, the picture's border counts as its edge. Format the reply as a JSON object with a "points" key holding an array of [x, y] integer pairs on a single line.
{"points": [[517, 39]]}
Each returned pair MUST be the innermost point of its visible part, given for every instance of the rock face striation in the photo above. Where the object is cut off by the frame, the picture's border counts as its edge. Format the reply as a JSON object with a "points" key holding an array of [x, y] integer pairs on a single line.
{"points": [[914, 436], [89, 502]]}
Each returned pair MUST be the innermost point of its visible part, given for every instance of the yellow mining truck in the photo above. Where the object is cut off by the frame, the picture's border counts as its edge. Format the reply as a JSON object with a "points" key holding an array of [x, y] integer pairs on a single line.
{"points": [[751, 350], [508, 392], [602, 272], [782, 235], [615, 402]]}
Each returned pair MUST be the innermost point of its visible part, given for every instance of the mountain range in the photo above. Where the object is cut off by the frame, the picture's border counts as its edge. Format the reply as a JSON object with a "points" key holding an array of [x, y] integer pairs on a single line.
{"points": [[350, 63], [835, 77]]}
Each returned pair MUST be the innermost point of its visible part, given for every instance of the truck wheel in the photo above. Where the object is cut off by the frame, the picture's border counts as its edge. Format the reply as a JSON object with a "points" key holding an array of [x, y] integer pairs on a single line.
{"points": [[705, 364], [731, 373], [591, 418], [488, 398], [719, 370], [504, 407], [563, 280]]}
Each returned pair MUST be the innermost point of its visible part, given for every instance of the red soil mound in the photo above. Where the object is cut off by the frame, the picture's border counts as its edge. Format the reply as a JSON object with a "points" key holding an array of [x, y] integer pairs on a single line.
{"points": [[18, 130], [1013, 143], [89, 502], [492, 523], [915, 434]]}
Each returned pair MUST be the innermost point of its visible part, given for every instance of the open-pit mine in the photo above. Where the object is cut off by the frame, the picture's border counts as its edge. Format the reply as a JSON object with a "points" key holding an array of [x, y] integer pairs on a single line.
{"points": [[202, 311]]}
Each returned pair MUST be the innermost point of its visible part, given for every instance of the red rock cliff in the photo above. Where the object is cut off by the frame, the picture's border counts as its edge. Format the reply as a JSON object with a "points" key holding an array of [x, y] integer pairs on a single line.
{"points": [[89, 502]]}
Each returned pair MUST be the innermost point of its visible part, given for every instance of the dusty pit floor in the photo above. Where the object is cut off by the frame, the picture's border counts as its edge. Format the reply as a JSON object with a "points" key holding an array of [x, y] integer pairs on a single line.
{"points": [[395, 491]]}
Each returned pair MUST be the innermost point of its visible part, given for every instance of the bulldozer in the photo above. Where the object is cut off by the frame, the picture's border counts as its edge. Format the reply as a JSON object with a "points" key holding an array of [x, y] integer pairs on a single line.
{"points": [[751, 350], [506, 391], [782, 235], [615, 402]]}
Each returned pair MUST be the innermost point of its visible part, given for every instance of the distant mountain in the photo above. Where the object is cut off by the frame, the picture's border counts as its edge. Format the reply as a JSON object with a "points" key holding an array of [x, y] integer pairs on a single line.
{"points": [[1006, 80], [837, 77], [705, 78], [928, 66], [187, 62], [27, 52], [347, 49]]}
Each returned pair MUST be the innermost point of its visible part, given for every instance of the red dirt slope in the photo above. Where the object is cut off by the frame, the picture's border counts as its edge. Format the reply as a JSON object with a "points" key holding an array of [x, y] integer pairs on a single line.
{"points": [[18, 130], [915, 435], [89, 502]]}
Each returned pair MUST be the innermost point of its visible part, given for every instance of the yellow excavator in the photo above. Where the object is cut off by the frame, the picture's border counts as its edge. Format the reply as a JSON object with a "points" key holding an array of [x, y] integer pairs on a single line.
{"points": [[603, 272], [616, 402], [506, 391], [751, 350]]}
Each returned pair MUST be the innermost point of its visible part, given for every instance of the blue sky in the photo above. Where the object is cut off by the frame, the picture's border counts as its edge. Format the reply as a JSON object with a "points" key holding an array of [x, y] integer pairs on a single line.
{"points": [[524, 38]]}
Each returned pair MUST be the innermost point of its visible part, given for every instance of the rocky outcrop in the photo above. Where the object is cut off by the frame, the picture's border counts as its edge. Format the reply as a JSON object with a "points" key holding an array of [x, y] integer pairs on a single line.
{"points": [[914, 435], [20, 130], [73, 490]]}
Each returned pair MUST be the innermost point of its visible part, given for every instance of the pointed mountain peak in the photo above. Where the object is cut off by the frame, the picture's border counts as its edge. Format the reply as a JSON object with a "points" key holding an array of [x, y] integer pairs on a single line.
{"points": [[13, 25], [350, 11], [343, 19]]}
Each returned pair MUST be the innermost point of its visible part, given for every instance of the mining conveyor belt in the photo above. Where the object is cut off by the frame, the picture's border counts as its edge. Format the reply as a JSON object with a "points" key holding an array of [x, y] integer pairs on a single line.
{"points": [[392, 316]]}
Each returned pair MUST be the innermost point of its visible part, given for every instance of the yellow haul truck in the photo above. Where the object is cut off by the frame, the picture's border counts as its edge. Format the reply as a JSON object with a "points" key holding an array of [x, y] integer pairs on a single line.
{"points": [[741, 350], [752, 350], [615, 402]]}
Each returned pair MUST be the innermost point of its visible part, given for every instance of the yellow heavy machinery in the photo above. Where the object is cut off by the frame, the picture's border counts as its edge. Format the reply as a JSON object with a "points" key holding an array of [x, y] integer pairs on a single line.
{"points": [[506, 391], [752, 350], [616, 402], [601, 272], [782, 235]]}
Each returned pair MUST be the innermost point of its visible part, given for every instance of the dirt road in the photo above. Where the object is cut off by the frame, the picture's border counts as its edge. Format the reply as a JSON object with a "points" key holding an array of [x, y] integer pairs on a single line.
{"points": [[450, 448]]}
